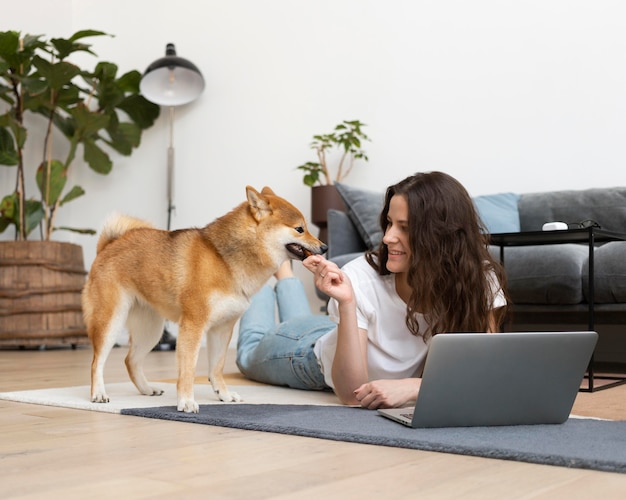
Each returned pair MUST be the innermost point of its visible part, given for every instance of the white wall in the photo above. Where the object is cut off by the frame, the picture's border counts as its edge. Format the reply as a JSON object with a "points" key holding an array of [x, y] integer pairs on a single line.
{"points": [[505, 95]]}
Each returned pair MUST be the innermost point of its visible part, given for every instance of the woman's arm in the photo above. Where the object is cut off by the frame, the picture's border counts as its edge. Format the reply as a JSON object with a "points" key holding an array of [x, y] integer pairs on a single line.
{"points": [[349, 370], [350, 365]]}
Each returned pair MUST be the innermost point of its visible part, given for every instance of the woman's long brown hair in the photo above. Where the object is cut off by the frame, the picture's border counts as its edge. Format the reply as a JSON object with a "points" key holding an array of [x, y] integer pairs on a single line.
{"points": [[450, 259]]}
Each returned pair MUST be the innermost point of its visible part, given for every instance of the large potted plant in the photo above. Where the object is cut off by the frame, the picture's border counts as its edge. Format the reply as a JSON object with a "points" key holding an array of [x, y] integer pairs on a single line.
{"points": [[343, 145], [75, 110]]}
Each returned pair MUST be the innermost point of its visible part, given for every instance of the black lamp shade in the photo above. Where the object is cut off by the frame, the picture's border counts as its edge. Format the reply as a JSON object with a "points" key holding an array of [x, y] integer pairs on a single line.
{"points": [[171, 80]]}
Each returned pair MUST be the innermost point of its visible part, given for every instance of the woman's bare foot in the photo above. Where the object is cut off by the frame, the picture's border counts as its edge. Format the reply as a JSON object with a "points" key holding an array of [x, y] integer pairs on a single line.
{"points": [[284, 271]]}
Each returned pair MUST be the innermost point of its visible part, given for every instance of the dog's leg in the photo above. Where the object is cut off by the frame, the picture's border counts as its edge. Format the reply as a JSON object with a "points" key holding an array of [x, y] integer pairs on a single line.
{"points": [[145, 327], [104, 326], [100, 354], [187, 350], [218, 339]]}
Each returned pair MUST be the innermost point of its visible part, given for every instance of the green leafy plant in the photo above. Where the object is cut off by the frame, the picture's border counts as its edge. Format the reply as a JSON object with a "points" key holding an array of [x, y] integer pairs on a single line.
{"points": [[93, 109], [347, 138]]}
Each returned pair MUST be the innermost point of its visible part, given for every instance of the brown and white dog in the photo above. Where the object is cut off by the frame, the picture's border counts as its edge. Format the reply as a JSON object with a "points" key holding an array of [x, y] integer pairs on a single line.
{"points": [[201, 278]]}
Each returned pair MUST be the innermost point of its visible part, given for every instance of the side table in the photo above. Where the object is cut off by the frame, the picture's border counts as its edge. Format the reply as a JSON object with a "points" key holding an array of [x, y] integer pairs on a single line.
{"points": [[587, 235]]}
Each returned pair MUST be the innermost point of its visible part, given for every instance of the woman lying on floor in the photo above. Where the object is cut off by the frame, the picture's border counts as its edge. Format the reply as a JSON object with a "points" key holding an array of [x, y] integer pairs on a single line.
{"points": [[431, 274]]}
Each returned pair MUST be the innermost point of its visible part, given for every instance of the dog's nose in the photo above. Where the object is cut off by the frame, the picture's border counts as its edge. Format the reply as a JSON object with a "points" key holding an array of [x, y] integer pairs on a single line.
{"points": [[323, 249]]}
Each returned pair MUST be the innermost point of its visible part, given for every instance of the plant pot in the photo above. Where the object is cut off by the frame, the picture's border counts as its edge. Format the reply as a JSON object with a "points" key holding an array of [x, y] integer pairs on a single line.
{"points": [[324, 198], [40, 289]]}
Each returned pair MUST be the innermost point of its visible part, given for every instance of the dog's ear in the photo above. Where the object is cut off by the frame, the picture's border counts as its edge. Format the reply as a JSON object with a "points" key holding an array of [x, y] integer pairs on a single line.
{"points": [[268, 190], [259, 205]]}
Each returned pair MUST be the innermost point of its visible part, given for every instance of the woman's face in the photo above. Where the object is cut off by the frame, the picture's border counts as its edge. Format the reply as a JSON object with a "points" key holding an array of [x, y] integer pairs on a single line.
{"points": [[397, 235]]}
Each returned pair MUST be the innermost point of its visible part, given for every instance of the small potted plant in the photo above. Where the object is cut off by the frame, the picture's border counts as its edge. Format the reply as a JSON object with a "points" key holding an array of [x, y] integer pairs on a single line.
{"points": [[87, 111], [345, 141]]}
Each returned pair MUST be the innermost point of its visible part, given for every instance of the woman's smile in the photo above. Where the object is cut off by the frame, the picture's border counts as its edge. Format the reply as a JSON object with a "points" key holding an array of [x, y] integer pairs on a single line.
{"points": [[397, 235]]}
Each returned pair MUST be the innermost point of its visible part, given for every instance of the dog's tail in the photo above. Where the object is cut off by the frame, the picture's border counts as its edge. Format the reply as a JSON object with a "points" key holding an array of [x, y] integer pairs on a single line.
{"points": [[115, 226]]}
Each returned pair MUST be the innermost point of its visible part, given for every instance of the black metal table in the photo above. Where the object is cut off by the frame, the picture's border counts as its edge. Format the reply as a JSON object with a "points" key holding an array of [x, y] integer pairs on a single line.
{"points": [[588, 235]]}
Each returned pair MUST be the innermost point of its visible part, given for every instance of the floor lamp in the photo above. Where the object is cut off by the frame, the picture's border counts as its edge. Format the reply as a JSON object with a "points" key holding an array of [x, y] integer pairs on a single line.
{"points": [[171, 81]]}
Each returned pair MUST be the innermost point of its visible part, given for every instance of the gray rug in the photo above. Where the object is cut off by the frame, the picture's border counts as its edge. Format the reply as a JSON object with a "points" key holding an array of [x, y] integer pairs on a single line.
{"points": [[578, 443]]}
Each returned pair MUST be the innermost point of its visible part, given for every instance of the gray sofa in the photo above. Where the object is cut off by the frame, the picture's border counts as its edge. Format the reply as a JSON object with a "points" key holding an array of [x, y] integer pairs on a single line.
{"points": [[548, 284]]}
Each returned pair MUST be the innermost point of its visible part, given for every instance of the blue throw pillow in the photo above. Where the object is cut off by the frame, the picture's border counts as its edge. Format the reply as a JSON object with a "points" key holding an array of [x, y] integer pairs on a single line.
{"points": [[364, 208], [499, 212]]}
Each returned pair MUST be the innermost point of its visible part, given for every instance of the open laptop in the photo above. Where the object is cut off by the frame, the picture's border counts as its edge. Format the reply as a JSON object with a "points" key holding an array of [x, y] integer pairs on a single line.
{"points": [[485, 379]]}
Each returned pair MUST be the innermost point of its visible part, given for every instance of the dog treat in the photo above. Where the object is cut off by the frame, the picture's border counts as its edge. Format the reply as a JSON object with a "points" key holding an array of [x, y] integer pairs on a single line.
{"points": [[307, 253]]}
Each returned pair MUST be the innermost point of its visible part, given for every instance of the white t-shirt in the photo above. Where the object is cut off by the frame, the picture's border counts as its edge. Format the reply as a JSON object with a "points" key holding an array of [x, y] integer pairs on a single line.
{"points": [[392, 351]]}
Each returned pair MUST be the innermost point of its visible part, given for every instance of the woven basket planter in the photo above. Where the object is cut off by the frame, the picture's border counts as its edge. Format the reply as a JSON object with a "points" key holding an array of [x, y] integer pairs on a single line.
{"points": [[40, 287]]}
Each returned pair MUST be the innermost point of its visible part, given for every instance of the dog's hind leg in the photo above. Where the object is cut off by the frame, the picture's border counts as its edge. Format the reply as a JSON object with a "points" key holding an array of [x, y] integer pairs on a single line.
{"points": [[218, 339], [104, 325], [145, 326], [101, 352]]}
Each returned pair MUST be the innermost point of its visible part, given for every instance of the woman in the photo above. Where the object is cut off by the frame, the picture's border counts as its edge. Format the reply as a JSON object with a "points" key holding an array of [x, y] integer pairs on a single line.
{"points": [[431, 274]]}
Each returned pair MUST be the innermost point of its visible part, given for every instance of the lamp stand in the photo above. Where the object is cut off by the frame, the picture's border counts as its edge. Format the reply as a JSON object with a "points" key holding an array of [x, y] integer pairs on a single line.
{"points": [[170, 171], [167, 340]]}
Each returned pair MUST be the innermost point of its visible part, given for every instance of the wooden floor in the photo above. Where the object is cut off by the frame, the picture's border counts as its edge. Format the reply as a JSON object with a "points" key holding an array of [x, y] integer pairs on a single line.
{"points": [[48, 452]]}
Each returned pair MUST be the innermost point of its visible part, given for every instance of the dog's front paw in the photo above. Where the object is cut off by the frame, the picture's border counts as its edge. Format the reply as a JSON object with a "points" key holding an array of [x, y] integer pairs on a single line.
{"points": [[188, 406], [228, 396], [100, 397]]}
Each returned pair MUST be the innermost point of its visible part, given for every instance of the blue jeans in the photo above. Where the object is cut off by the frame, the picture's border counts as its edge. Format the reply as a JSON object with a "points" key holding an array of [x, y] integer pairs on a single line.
{"points": [[282, 354]]}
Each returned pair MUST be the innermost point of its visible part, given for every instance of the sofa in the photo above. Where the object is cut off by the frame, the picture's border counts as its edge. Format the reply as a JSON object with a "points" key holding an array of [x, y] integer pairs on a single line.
{"points": [[548, 284]]}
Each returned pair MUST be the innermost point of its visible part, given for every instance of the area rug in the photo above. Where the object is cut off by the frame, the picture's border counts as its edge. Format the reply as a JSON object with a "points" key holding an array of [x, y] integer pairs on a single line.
{"points": [[579, 442], [124, 395]]}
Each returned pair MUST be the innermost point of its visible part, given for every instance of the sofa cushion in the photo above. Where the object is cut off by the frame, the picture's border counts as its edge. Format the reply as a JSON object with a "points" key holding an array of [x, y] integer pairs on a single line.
{"points": [[606, 206], [609, 261], [343, 236], [499, 212], [546, 274], [364, 208]]}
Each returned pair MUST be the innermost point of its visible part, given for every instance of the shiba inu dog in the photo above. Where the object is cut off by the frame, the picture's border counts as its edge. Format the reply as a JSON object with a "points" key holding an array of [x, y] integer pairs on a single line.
{"points": [[201, 278]]}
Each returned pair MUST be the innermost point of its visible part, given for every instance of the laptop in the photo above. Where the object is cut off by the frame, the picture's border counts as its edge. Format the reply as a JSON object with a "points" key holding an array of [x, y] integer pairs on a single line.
{"points": [[487, 379]]}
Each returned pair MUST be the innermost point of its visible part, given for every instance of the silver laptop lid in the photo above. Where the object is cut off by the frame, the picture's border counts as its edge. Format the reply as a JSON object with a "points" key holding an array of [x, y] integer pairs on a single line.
{"points": [[476, 379]]}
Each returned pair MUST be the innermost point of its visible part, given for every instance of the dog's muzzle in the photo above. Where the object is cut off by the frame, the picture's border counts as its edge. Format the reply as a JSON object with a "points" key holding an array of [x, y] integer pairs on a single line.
{"points": [[302, 253]]}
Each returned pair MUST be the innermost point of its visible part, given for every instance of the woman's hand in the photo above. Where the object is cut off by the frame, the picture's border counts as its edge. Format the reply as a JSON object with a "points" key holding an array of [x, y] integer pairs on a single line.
{"points": [[387, 393], [329, 278]]}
